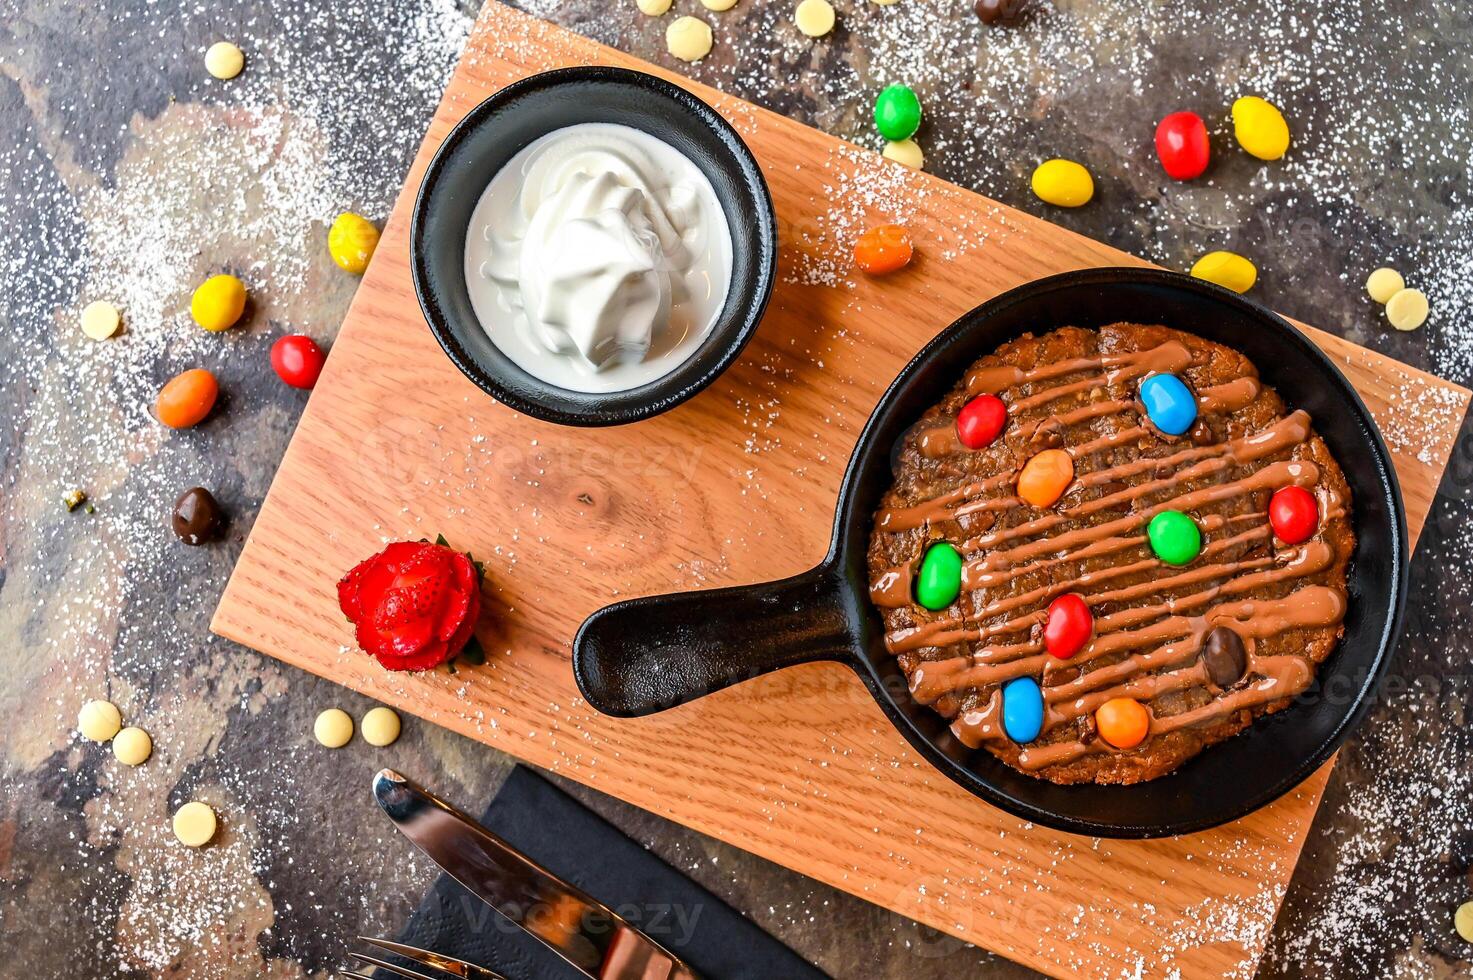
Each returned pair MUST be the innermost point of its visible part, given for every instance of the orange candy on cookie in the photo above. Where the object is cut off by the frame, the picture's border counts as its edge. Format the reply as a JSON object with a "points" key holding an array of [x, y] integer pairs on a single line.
{"points": [[883, 250], [1045, 477], [1122, 722]]}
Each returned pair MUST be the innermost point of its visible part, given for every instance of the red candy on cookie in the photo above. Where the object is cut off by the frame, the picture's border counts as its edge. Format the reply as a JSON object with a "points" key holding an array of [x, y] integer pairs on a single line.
{"points": [[1068, 627], [980, 421], [1294, 514], [413, 604], [1182, 145]]}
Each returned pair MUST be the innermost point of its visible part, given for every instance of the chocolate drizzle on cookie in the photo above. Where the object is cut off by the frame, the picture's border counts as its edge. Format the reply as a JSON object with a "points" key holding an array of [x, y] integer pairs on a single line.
{"points": [[1183, 640]]}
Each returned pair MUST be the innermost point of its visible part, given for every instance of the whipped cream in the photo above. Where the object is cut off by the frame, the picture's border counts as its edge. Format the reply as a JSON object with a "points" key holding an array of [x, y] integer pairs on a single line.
{"points": [[598, 258]]}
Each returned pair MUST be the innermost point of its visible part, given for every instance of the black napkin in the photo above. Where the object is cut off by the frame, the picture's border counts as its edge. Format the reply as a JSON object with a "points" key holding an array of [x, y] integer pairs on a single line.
{"points": [[553, 829]]}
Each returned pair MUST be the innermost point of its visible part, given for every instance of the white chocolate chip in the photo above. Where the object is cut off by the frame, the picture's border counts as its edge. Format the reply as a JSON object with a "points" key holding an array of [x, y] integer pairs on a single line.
{"points": [[194, 824], [1463, 921], [1384, 283], [99, 720], [132, 746], [688, 38], [380, 726], [333, 728], [814, 17], [224, 60], [718, 5], [653, 8], [1407, 309], [907, 152], [100, 320]]}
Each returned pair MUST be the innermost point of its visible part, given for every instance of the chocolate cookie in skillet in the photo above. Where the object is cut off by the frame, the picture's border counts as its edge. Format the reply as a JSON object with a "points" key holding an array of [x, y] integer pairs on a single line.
{"points": [[1106, 550]]}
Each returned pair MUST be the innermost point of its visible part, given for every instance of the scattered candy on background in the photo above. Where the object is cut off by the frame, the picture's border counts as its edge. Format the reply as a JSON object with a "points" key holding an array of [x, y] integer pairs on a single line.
{"points": [[195, 824], [381, 725], [1228, 269], [218, 302], [351, 242], [897, 112], [688, 38], [1182, 145], [1384, 283], [814, 18], [1063, 183], [1407, 309], [333, 728], [132, 746], [224, 60], [187, 399], [907, 152], [297, 360], [99, 721], [100, 320], [1260, 128]]}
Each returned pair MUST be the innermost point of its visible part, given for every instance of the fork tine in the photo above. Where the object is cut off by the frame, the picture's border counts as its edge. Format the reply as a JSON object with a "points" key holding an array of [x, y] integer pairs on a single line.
{"points": [[350, 975], [439, 961], [400, 971]]}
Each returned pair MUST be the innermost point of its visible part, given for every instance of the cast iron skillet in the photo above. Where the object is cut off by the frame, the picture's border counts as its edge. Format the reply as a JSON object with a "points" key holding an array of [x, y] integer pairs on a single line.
{"points": [[499, 128], [644, 655]]}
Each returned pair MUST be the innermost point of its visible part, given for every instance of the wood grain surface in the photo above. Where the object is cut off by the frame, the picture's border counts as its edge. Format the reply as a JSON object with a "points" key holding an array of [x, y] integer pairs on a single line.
{"points": [[734, 487]]}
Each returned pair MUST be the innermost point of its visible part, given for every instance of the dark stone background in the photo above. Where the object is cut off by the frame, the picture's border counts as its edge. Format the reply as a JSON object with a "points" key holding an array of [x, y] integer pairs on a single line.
{"points": [[126, 173]]}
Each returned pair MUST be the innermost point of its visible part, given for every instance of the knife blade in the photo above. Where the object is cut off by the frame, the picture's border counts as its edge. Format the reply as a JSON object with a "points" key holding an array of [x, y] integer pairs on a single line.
{"points": [[578, 927]]}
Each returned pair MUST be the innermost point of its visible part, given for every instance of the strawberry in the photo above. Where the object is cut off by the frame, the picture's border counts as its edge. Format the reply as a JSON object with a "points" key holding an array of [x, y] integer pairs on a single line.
{"points": [[414, 605]]}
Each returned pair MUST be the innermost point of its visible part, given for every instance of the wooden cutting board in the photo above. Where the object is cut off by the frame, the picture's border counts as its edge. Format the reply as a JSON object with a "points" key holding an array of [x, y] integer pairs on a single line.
{"points": [[734, 487]]}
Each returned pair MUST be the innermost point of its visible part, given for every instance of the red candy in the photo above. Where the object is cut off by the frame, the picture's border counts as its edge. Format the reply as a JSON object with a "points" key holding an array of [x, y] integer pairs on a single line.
{"points": [[1069, 626], [980, 421], [297, 360], [1294, 514], [1181, 143]]}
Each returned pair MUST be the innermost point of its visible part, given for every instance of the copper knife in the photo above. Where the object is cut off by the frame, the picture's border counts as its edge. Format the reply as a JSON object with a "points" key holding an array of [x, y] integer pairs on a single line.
{"points": [[579, 928]]}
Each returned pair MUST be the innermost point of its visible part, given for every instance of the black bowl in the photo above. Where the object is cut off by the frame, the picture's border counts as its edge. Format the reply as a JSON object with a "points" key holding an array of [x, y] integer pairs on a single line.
{"points": [[499, 128], [646, 654]]}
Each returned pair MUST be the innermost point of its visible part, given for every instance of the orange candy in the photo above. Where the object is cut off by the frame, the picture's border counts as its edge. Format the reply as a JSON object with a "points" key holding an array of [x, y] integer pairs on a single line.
{"points": [[1123, 722], [187, 399], [1045, 477], [882, 250]]}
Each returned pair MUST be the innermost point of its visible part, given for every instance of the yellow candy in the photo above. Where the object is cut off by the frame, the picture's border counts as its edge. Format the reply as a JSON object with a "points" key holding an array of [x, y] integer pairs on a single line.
{"points": [[1408, 309], [218, 303], [1384, 283], [1228, 269], [907, 152], [1463, 921], [1260, 128], [351, 241], [195, 824], [1064, 183]]}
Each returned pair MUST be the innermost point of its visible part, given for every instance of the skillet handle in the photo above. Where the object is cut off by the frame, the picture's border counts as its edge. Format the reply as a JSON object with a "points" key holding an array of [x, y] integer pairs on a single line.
{"points": [[644, 655]]}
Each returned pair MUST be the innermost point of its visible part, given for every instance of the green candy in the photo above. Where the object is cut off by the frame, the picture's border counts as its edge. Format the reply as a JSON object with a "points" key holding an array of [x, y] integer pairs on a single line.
{"points": [[940, 581], [1174, 537], [897, 113]]}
